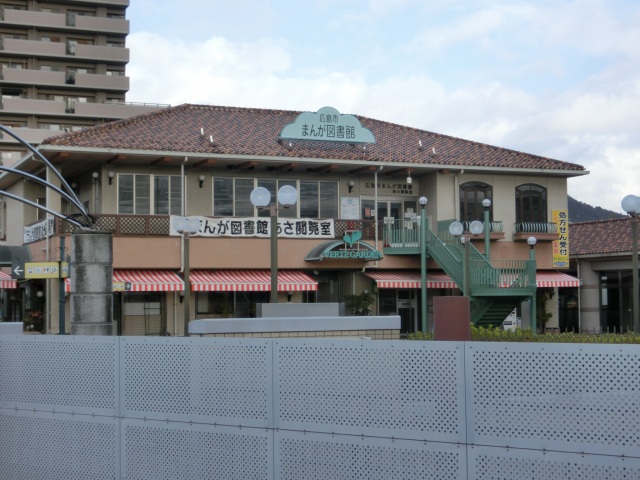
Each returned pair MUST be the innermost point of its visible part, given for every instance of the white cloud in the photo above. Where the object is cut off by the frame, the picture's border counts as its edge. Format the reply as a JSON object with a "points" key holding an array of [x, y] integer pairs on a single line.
{"points": [[577, 99]]}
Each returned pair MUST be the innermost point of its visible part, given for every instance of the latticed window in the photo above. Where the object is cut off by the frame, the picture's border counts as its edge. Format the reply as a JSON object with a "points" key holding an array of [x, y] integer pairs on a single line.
{"points": [[471, 196], [316, 199], [531, 203], [144, 194]]}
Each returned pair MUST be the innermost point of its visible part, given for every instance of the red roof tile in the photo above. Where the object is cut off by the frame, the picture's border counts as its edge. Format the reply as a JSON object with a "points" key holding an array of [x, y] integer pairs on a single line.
{"points": [[254, 132], [601, 237]]}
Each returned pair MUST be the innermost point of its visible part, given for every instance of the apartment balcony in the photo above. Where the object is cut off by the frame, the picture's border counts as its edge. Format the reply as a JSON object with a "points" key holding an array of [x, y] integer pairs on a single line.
{"points": [[61, 21], [103, 53], [111, 83], [33, 136], [44, 78], [39, 49], [115, 3], [32, 77], [26, 106], [112, 110], [33, 48]]}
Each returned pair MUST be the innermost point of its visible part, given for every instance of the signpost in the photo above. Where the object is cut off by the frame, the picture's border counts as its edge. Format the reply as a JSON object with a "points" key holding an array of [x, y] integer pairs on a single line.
{"points": [[39, 270]]}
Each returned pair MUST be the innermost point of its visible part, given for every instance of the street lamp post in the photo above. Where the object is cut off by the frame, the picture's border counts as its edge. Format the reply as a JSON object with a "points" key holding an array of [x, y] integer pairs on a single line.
{"points": [[486, 204], [423, 261], [186, 227], [457, 230], [261, 198], [631, 205], [531, 241]]}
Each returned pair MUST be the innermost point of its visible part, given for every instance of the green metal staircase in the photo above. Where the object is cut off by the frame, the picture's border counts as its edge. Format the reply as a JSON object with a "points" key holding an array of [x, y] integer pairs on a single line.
{"points": [[495, 288]]}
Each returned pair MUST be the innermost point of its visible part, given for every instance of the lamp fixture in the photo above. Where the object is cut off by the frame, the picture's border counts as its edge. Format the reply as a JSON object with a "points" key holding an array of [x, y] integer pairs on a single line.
{"points": [[409, 180], [486, 203], [532, 241], [95, 176], [422, 201], [201, 181], [111, 175], [351, 185]]}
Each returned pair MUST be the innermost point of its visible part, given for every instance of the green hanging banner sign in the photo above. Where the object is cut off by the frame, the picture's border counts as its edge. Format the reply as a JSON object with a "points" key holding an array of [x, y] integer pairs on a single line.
{"points": [[327, 125]]}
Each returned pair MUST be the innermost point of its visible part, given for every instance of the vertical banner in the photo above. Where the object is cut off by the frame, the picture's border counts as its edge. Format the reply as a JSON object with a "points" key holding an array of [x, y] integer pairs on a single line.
{"points": [[561, 246]]}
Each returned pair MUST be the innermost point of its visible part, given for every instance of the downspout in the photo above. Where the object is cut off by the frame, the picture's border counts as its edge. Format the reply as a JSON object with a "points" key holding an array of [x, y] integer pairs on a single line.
{"points": [[377, 239], [375, 209], [184, 212], [375, 206], [579, 297], [456, 197]]}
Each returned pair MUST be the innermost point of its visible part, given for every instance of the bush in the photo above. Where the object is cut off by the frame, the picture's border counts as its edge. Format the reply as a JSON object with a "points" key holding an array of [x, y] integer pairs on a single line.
{"points": [[493, 334]]}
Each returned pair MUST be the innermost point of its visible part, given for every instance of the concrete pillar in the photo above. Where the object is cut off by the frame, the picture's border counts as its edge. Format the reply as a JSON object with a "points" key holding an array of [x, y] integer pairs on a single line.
{"points": [[91, 273], [589, 298]]}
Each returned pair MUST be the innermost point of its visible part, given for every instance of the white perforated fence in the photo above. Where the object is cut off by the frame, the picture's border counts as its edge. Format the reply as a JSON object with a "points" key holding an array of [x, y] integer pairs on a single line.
{"points": [[203, 408]]}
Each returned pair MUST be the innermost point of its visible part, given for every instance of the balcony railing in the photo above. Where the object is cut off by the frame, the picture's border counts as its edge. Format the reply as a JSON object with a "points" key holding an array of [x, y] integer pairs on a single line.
{"points": [[536, 227], [158, 226]]}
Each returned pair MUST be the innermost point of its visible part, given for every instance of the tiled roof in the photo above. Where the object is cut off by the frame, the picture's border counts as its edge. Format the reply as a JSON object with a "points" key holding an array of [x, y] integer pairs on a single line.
{"points": [[601, 237], [254, 132]]}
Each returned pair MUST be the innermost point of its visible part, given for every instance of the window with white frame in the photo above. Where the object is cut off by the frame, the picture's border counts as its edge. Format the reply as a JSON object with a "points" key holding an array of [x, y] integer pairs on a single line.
{"points": [[316, 199], [146, 194]]}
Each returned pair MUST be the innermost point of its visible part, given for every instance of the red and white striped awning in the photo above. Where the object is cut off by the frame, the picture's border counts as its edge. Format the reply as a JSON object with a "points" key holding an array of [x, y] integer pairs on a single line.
{"points": [[143, 281], [556, 279], [250, 281], [410, 279], [6, 281]]}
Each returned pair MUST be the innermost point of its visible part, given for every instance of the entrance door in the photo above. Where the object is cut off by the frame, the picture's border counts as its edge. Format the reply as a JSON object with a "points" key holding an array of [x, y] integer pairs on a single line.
{"points": [[394, 218]]}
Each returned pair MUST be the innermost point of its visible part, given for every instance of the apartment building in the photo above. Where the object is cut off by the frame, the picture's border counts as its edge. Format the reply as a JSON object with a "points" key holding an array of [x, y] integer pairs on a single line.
{"points": [[355, 230], [62, 68]]}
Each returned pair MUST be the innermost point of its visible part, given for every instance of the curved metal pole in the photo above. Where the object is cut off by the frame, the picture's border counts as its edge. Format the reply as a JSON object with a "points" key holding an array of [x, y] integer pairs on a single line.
{"points": [[37, 179], [48, 210], [63, 182]]}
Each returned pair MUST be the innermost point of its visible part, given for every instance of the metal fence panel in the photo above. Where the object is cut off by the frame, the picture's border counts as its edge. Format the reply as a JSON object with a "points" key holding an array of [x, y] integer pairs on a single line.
{"points": [[411, 390], [218, 381], [344, 457], [563, 397], [158, 450], [76, 374], [496, 463], [39, 445]]}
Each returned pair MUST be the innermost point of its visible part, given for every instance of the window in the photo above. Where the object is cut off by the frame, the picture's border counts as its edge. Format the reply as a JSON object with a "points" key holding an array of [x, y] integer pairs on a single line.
{"points": [[316, 199], [138, 193], [471, 196], [3, 216], [41, 214], [531, 203]]}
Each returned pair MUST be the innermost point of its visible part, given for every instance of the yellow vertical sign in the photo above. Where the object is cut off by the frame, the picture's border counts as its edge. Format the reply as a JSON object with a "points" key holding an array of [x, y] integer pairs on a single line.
{"points": [[561, 246]]}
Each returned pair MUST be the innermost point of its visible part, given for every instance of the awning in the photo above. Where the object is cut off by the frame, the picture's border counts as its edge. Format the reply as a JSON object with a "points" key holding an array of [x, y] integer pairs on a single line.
{"points": [[143, 281], [7, 282], [250, 281], [410, 279], [556, 279]]}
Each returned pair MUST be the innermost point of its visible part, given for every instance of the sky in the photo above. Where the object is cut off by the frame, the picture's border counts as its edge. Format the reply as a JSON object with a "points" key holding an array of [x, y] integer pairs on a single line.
{"points": [[554, 78]]}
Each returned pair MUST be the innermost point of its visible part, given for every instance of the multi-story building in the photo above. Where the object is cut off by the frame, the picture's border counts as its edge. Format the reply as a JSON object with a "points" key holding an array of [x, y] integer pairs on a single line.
{"points": [[62, 68], [356, 229]]}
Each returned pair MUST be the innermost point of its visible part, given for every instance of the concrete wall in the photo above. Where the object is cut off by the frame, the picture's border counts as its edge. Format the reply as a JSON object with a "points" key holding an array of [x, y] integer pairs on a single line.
{"points": [[167, 408]]}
